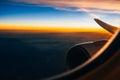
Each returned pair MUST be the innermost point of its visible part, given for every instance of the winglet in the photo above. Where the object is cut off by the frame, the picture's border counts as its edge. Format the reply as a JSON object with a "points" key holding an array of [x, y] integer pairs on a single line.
{"points": [[106, 26]]}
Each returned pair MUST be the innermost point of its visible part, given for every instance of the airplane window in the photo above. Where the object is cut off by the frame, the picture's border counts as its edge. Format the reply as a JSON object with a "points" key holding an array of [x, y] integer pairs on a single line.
{"points": [[58, 40]]}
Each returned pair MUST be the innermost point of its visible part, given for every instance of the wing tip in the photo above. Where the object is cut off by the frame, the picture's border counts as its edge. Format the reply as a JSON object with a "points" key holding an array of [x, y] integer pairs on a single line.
{"points": [[106, 26]]}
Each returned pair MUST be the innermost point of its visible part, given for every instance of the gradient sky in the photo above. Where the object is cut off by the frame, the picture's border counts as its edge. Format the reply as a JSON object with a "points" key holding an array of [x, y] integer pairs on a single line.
{"points": [[58, 13]]}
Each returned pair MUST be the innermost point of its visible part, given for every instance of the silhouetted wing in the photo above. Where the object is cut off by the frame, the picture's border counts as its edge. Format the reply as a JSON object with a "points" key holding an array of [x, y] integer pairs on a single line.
{"points": [[108, 27], [103, 65]]}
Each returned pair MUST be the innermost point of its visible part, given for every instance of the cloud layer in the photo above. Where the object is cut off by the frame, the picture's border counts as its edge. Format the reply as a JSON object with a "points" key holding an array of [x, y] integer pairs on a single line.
{"points": [[91, 6]]}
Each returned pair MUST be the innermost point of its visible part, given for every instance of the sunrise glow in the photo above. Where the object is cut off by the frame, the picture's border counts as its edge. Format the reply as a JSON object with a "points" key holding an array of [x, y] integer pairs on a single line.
{"points": [[58, 16]]}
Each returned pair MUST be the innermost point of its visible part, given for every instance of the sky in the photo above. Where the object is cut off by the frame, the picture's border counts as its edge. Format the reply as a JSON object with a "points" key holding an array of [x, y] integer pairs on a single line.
{"points": [[57, 14]]}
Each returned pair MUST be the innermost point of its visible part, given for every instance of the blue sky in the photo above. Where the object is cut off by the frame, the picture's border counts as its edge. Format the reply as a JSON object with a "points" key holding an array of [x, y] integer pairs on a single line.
{"points": [[56, 14]]}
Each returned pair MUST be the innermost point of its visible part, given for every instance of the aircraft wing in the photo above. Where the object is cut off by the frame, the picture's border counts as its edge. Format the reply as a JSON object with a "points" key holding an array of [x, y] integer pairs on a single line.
{"points": [[103, 65]]}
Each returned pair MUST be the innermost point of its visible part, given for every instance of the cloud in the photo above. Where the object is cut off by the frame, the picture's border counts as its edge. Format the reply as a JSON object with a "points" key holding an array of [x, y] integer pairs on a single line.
{"points": [[91, 6]]}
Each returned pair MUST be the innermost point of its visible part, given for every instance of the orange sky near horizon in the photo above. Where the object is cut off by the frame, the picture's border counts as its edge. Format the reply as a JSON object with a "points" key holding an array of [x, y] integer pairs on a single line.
{"points": [[48, 29]]}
